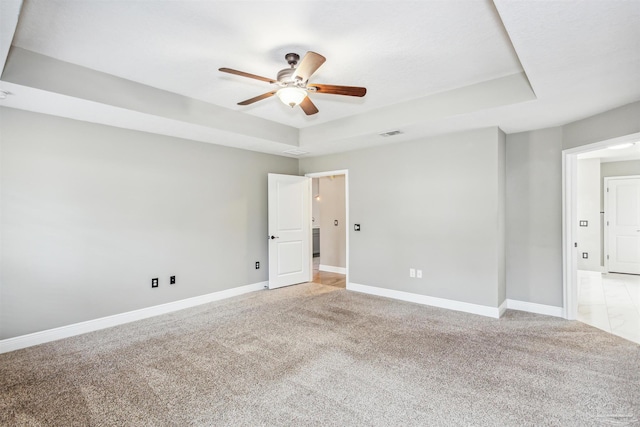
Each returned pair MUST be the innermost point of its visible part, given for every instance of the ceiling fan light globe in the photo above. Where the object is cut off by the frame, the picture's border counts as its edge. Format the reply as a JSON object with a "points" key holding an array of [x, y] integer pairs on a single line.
{"points": [[291, 96]]}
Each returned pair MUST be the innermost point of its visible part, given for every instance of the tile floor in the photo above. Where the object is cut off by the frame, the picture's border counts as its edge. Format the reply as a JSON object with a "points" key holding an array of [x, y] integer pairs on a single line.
{"points": [[327, 278], [610, 302]]}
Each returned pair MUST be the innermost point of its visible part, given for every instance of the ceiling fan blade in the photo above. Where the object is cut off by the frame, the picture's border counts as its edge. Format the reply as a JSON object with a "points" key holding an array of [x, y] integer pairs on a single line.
{"points": [[308, 107], [340, 90], [243, 74], [309, 64], [257, 98]]}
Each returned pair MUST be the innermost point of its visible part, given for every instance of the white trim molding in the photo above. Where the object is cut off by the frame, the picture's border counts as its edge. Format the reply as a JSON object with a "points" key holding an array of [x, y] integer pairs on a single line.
{"points": [[532, 307], [466, 307], [332, 269], [23, 341], [590, 273], [570, 220], [502, 308]]}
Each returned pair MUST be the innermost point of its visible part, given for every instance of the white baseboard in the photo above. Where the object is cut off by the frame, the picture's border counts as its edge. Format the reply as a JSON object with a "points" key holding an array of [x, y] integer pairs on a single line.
{"points": [[532, 307], [482, 310], [23, 341], [502, 308], [332, 269], [589, 273]]}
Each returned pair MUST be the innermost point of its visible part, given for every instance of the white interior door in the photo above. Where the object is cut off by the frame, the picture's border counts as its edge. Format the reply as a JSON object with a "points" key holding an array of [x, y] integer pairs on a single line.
{"points": [[623, 225], [289, 230]]}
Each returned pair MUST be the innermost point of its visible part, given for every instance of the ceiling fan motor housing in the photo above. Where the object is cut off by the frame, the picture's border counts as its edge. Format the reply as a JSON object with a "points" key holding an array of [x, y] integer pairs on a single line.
{"points": [[285, 78], [284, 75]]}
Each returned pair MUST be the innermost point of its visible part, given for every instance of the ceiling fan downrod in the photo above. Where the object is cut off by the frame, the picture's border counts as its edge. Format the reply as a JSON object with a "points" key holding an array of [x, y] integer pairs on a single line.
{"points": [[292, 59]]}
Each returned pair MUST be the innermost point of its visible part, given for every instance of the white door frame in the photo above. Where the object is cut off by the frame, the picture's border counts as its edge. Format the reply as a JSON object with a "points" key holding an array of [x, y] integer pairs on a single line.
{"points": [[344, 172], [569, 219]]}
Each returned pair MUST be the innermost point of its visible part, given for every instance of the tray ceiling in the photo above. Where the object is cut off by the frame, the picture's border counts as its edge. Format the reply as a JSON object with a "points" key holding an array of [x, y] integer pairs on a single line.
{"points": [[429, 66]]}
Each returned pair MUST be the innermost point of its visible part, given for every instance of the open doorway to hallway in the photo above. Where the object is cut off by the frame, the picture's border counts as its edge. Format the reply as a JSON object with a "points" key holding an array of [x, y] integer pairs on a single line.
{"points": [[605, 298], [330, 231]]}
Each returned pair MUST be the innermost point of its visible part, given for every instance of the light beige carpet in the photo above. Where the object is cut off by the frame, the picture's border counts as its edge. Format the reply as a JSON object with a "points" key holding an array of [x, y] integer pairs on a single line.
{"points": [[317, 355]]}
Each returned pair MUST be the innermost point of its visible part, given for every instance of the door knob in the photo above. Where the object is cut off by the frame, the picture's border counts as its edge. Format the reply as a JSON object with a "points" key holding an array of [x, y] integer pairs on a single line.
{"points": [[273, 237]]}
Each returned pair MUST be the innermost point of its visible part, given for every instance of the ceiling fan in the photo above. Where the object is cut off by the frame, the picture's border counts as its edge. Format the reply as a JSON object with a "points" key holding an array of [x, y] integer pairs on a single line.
{"points": [[294, 83]]}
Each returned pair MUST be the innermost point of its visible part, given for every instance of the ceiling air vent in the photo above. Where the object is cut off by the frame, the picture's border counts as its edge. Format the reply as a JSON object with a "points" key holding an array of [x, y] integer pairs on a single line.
{"points": [[295, 152], [390, 133]]}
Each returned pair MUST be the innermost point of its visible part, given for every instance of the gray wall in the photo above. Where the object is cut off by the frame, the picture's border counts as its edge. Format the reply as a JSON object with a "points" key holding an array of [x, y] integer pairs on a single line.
{"points": [[502, 216], [534, 216], [620, 121], [333, 245], [534, 200], [432, 205], [91, 213]]}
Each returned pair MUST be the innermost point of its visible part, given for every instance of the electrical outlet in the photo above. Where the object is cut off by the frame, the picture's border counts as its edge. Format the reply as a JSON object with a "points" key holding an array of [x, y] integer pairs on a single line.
{"points": [[154, 282], [412, 272], [172, 280], [419, 274], [257, 265], [585, 255], [356, 227]]}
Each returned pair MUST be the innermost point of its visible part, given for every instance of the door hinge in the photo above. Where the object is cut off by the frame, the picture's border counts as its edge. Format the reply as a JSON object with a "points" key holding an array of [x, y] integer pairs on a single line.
{"points": [[607, 222], [607, 256], [607, 189]]}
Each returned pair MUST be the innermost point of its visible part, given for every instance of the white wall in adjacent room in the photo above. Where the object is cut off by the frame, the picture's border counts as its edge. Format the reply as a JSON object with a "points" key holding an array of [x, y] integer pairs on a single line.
{"points": [[588, 209], [332, 224]]}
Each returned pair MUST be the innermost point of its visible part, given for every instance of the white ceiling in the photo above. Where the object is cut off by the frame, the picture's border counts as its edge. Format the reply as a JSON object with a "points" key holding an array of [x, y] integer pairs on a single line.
{"points": [[421, 62]]}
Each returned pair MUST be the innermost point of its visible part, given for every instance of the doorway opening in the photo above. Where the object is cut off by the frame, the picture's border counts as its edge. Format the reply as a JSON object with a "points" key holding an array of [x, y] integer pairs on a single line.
{"points": [[330, 227], [594, 291]]}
